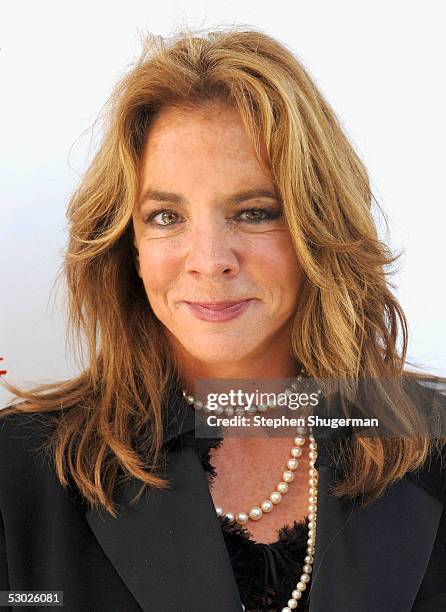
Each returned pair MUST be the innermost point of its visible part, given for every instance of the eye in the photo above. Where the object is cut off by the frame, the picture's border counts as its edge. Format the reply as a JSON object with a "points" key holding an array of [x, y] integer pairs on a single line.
{"points": [[165, 216], [258, 215]]}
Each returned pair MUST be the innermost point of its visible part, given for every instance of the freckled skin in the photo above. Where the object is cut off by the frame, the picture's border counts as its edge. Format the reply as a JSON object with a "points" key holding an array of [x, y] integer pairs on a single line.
{"points": [[206, 249], [248, 472]]}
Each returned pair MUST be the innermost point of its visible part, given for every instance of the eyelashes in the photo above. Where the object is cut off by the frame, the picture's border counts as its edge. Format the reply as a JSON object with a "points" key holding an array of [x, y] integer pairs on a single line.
{"points": [[259, 216]]}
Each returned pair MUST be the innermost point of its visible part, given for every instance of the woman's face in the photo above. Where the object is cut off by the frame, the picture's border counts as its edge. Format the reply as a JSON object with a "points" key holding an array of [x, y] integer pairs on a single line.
{"points": [[209, 228]]}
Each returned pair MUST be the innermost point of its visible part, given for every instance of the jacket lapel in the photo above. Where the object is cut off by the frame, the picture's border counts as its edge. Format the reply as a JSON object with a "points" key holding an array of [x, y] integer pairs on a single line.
{"points": [[372, 558], [168, 548]]}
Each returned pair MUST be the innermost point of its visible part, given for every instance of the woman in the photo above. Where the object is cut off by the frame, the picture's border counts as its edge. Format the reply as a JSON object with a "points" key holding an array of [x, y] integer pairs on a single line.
{"points": [[223, 230]]}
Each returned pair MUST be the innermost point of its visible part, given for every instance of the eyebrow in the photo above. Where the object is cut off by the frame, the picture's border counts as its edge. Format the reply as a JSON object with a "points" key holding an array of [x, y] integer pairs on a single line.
{"points": [[235, 198]]}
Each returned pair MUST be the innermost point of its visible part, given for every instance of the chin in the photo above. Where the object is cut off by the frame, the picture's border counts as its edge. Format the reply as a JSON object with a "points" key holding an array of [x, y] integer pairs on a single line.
{"points": [[220, 350]]}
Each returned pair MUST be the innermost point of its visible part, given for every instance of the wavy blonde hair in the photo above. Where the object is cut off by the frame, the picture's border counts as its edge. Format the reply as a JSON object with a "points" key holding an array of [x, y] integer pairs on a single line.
{"points": [[349, 323]]}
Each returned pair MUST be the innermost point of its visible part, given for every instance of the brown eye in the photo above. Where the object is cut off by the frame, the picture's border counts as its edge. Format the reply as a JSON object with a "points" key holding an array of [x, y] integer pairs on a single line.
{"points": [[167, 218]]}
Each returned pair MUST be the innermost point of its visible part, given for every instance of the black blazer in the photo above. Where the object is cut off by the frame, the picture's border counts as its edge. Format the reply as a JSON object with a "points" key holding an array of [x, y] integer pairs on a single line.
{"points": [[167, 553]]}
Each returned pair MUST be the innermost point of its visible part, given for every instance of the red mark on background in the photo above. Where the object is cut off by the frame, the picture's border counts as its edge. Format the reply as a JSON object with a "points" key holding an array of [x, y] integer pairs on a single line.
{"points": [[2, 371]]}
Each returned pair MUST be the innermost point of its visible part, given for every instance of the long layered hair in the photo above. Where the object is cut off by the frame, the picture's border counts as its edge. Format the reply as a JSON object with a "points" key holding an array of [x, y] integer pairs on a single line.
{"points": [[349, 323]]}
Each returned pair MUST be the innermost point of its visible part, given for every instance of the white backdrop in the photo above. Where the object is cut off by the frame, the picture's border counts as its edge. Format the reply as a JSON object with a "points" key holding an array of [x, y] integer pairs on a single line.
{"points": [[380, 64]]}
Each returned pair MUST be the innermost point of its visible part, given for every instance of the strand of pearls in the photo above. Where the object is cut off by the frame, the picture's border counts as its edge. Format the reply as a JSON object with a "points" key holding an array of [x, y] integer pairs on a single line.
{"points": [[257, 512], [240, 410], [307, 567]]}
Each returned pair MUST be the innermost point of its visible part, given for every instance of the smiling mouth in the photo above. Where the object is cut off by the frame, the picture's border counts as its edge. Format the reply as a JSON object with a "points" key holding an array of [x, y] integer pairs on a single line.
{"points": [[218, 311]]}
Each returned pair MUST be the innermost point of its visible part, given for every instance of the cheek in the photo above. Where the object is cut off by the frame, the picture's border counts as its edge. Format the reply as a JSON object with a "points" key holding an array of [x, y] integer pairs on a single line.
{"points": [[276, 262], [159, 267]]}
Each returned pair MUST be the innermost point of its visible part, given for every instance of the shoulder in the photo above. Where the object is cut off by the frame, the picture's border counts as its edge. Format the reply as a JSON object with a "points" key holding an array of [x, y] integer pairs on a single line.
{"points": [[18, 425], [429, 396], [24, 439], [30, 488]]}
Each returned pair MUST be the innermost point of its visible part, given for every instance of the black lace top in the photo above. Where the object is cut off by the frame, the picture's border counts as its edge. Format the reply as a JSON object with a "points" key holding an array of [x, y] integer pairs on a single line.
{"points": [[266, 574]]}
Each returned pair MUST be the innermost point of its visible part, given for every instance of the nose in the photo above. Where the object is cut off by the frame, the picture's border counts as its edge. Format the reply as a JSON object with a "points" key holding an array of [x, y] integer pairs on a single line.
{"points": [[212, 251]]}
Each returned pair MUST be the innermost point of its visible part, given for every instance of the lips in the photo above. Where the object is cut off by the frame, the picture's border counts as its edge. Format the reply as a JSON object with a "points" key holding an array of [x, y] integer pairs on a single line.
{"points": [[218, 312], [218, 305]]}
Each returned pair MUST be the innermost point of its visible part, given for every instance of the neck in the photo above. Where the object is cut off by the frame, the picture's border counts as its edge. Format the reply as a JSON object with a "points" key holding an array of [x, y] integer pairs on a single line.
{"points": [[258, 367]]}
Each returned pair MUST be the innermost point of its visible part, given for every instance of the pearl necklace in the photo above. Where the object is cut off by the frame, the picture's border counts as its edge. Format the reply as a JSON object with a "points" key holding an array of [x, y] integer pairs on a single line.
{"points": [[256, 512], [240, 410]]}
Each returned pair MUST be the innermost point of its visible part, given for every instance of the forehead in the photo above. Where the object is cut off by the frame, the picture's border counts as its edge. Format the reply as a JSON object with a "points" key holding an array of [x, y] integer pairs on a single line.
{"points": [[215, 128]]}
